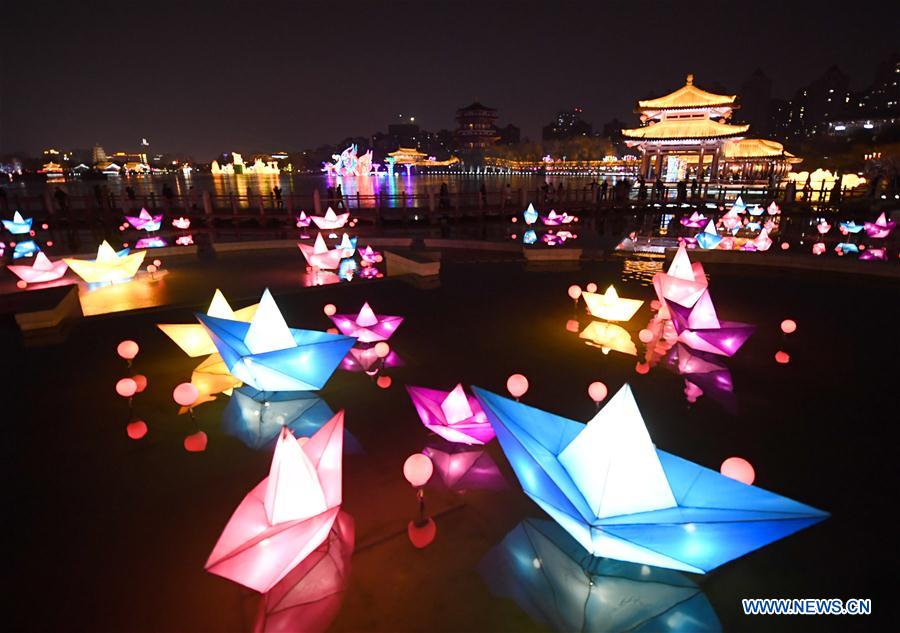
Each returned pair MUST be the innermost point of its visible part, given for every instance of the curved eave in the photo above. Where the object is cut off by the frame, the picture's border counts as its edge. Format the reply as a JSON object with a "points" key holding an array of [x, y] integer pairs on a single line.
{"points": [[727, 105], [677, 139]]}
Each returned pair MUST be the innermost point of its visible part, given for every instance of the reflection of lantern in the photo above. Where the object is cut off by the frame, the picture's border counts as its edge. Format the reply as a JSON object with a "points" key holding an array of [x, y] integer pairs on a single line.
{"points": [[195, 443], [738, 468], [418, 469], [782, 358], [517, 385], [382, 349], [140, 381], [591, 287], [421, 534], [126, 387], [185, 394], [137, 429]]}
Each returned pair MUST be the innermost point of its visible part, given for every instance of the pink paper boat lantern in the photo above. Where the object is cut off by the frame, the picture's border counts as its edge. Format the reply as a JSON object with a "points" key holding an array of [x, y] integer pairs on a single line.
{"points": [[731, 220], [555, 219], [683, 283], [181, 223], [367, 326], [287, 515], [880, 228], [369, 255], [364, 358], [144, 221], [330, 220], [319, 256], [773, 208], [453, 415], [823, 227], [303, 220], [41, 270], [696, 221], [879, 254], [762, 242], [699, 327]]}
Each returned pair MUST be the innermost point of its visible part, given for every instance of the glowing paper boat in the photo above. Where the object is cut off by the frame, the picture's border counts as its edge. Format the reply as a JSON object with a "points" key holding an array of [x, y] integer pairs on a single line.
{"points": [[620, 497], [365, 358], [545, 571], [773, 208], [699, 327], [41, 270], [110, 265], [347, 269], [555, 219], [26, 248], [319, 256], [762, 242], [756, 210], [846, 248], [181, 223], [144, 221], [463, 467], [287, 515], [529, 237], [150, 242], [731, 220], [303, 220], [753, 226], [851, 227], [738, 206], [193, 338], [610, 306], [367, 326], [708, 238], [265, 353], [370, 256], [696, 221], [530, 214], [257, 417], [453, 415], [330, 220], [347, 246], [823, 227], [608, 336], [18, 225], [706, 371], [184, 240], [684, 282], [309, 597], [879, 254], [880, 228], [555, 239]]}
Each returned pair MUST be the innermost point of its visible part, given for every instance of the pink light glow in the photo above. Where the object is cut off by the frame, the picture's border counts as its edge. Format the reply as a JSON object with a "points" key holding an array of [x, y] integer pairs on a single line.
{"points": [[41, 270], [738, 468], [597, 391], [418, 469], [818, 248], [574, 292], [788, 326], [384, 382], [185, 394], [136, 430], [319, 256], [699, 327], [517, 385], [181, 223], [782, 358], [421, 534], [683, 283], [454, 415], [196, 443], [330, 221], [127, 349], [880, 228], [303, 220], [823, 227], [367, 326], [126, 387], [257, 553]]}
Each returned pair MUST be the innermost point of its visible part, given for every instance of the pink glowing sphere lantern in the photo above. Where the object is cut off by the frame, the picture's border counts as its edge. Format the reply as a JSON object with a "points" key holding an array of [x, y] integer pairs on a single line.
{"points": [[141, 381], [21, 284], [785, 246], [782, 358], [136, 430], [597, 391], [151, 268], [642, 368], [517, 385], [185, 394], [574, 292], [591, 287], [418, 469], [384, 382], [421, 534], [788, 326], [195, 443], [382, 349], [157, 263], [739, 469], [126, 387], [128, 349], [645, 335], [329, 309]]}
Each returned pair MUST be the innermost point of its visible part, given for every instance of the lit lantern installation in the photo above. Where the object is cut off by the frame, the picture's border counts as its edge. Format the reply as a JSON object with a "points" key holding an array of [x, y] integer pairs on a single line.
{"points": [[303, 220], [370, 256], [684, 282], [330, 221], [18, 225], [699, 327], [880, 228], [319, 256], [708, 238], [126, 387], [530, 214], [144, 221], [850, 227], [555, 219], [788, 326], [367, 326], [270, 356], [109, 266], [454, 415], [26, 248], [287, 515], [879, 254], [41, 270], [517, 385], [186, 394], [620, 497], [597, 392], [762, 242], [193, 338], [136, 430], [695, 221], [181, 223], [347, 246], [739, 469], [127, 350], [417, 469], [610, 306], [608, 336]]}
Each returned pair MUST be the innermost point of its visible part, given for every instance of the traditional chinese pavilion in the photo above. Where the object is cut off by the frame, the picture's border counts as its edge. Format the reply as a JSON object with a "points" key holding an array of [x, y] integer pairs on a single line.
{"points": [[476, 129], [687, 134]]}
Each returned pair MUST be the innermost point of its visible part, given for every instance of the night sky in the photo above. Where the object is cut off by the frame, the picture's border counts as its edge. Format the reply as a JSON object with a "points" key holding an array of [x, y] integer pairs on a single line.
{"points": [[263, 75]]}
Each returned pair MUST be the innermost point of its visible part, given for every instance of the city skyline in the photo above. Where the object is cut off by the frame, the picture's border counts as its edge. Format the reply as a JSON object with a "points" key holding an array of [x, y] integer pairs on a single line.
{"points": [[302, 80]]}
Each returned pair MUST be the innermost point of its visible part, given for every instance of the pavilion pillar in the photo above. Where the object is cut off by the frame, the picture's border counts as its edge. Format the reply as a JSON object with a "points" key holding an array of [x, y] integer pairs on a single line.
{"points": [[714, 167], [645, 163], [700, 164], [658, 167]]}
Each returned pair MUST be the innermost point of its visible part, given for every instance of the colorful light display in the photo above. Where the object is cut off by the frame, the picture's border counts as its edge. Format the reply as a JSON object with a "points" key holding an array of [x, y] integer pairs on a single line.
{"points": [[367, 326], [695, 221], [331, 220], [193, 338], [25, 248], [608, 336], [731, 220], [699, 327], [257, 417], [708, 239], [684, 282], [265, 353], [109, 266], [454, 415], [365, 358], [41, 270], [348, 163], [18, 225], [318, 255], [545, 571], [620, 497], [287, 515], [555, 219], [530, 214], [880, 228], [610, 306], [144, 221]]}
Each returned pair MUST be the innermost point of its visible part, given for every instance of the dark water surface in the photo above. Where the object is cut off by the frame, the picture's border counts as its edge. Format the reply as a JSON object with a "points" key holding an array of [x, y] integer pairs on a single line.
{"points": [[112, 534]]}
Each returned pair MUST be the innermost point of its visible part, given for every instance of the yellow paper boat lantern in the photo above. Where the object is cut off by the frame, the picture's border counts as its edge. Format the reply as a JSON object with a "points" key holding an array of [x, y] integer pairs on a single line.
{"points": [[193, 338], [610, 305], [109, 266], [609, 336]]}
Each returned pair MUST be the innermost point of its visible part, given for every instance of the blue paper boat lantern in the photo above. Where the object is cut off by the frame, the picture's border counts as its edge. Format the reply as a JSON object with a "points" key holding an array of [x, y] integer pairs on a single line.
{"points": [[529, 237], [617, 495], [28, 248], [268, 355], [18, 225], [530, 214], [709, 238], [852, 227]]}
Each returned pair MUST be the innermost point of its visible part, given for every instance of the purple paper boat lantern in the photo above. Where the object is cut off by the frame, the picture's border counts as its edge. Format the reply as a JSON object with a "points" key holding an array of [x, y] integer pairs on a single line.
{"points": [[144, 221], [695, 221], [364, 358], [453, 415], [367, 326], [880, 228], [461, 468], [698, 327], [871, 254], [555, 219]]}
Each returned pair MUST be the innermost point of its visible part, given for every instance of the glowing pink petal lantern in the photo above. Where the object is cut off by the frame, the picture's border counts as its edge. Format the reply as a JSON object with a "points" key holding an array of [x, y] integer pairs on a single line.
{"points": [[288, 514], [418, 469], [517, 385], [367, 326], [41, 270], [739, 469], [454, 415]]}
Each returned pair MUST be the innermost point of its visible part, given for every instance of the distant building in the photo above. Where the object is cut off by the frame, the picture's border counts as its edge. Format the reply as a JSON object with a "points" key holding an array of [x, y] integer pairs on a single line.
{"points": [[98, 155], [475, 130], [568, 124]]}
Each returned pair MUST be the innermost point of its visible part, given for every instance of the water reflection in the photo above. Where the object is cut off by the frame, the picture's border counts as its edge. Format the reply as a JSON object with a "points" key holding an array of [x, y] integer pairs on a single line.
{"points": [[609, 336], [704, 374], [550, 577], [309, 597], [461, 467]]}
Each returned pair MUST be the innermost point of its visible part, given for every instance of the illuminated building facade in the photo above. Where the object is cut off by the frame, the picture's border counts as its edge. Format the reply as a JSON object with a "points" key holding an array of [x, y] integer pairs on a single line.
{"points": [[687, 134], [475, 130]]}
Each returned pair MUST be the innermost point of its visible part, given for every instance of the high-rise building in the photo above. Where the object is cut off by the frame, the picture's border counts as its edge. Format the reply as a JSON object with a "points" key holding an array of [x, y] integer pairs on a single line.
{"points": [[568, 124]]}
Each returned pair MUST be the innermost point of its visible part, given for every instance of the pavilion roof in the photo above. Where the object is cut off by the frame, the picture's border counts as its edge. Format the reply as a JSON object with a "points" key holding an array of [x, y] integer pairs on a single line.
{"points": [[688, 96], [746, 148], [674, 129]]}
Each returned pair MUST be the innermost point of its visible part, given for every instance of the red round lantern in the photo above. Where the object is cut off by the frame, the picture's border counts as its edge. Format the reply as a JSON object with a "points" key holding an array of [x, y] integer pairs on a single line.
{"points": [[136, 430]]}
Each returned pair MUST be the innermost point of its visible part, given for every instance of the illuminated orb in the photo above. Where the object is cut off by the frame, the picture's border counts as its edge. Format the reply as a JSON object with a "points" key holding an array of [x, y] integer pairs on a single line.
{"points": [[151, 268], [45, 226], [332, 330], [384, 382], [421, 534], [185, 394], [126, 387], [141, 381], [642, 368], [782, 358], [137, 429], [574, 292], [49, 243], [572, 325], [591, 287], [157, 263], [645, 335], [785, 246], [195, 443], [127, 349], [21, 284], [788, 326], [418, 469], [597, 391], [382, 349], [329, 309], [738, 468], [514, 220], [517, 385]]}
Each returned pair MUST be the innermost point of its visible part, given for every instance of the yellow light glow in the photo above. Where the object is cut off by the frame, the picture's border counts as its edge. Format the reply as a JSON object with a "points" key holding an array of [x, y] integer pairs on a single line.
{"points": [[212, 377], [609, 336], [193, 338], [610, 306], [108, 266]]}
